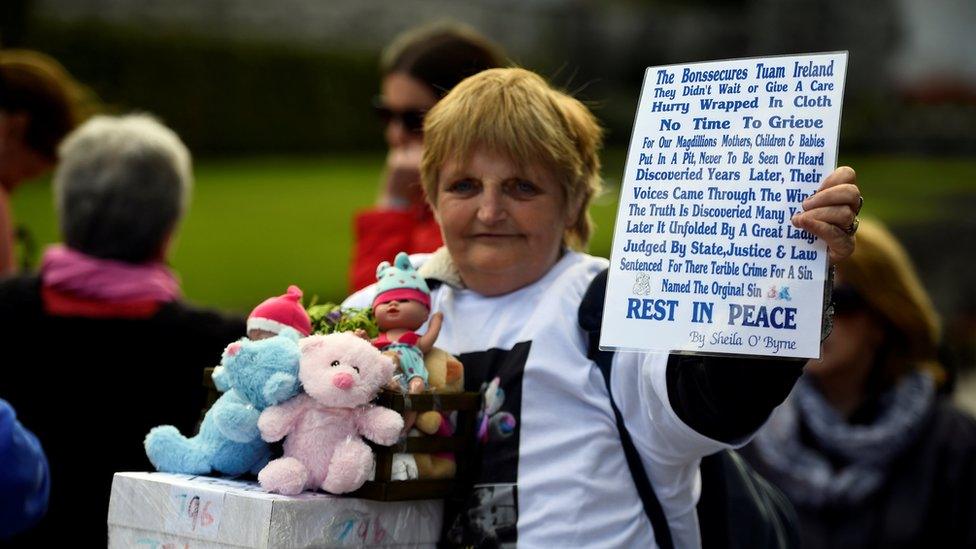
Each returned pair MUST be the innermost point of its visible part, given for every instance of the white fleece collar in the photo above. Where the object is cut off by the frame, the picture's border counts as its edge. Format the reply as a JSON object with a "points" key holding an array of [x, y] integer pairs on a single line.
{"points": [[440, 266]]}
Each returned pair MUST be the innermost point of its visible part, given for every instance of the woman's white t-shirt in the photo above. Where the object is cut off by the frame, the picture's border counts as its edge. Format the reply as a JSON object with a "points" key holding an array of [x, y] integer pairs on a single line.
{"points": [[560, 478]]}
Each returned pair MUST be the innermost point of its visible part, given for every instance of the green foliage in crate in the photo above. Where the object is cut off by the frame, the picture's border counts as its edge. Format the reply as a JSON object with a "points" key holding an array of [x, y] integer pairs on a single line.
{"points": [[329, 318]]}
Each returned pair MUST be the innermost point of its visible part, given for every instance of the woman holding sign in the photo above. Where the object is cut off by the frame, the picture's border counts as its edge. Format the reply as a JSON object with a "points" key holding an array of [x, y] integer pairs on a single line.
{"points": [[510, 167]]}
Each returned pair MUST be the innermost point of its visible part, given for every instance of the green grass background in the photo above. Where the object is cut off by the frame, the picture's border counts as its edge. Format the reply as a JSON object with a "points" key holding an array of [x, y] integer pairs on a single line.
{"points": [[257, 225]]}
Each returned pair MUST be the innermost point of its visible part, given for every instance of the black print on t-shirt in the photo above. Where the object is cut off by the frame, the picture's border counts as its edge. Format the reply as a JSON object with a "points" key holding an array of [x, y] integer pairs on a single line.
{"points": [[486, 513]]}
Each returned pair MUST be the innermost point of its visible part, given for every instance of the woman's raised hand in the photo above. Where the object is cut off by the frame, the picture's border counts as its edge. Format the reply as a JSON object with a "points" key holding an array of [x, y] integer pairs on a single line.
{"points": [[831, 213]]}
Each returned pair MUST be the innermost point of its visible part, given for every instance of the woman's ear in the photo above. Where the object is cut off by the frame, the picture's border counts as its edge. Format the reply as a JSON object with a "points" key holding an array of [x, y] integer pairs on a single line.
{"points": [[574, 211]]}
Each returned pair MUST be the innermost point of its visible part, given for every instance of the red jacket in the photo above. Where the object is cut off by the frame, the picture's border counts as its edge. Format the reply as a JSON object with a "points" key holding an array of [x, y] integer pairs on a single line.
{"points": [[381, 234]]}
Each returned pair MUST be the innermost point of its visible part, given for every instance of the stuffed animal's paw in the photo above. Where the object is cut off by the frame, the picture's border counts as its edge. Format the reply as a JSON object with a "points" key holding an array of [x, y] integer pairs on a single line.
{"points": [[381, 425], [273, 424], [349, 468], [280, 387], [236, 422], [285, 475]]}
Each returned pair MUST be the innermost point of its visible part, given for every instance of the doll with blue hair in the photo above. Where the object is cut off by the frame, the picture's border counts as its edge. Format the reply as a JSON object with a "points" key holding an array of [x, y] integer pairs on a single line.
{"points": [[402, 305], [256, 372]]}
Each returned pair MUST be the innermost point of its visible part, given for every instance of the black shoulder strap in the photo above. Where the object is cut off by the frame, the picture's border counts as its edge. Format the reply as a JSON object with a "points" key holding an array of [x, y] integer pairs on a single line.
{"points": [[591, 320]]}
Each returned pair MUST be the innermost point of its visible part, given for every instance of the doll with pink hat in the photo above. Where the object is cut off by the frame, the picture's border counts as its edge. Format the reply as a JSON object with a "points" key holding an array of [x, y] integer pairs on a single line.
{"points": [[402, 305], [275, 313]]}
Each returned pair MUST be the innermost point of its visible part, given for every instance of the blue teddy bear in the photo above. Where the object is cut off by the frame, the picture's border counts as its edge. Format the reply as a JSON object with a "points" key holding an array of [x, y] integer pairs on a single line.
{"points": [[254, 375]]}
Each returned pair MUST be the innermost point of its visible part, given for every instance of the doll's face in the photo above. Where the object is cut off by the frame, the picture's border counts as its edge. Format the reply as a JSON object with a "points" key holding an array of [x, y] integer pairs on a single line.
{"points": [[406, 314], [258, 334]]}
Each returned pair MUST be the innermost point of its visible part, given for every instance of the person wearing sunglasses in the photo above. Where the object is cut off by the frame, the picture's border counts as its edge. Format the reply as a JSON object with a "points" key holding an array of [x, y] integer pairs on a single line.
{"points": [[866, 448], [418, 68]]}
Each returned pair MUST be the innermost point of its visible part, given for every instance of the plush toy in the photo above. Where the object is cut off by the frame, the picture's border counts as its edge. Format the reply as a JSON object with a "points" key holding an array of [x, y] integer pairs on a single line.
{"points": [[341, 374], [254, 373], [259, 374]]}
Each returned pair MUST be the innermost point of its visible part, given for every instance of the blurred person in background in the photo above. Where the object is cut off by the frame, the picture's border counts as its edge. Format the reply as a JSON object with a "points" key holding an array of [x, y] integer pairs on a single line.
{"points": [[100, 346], [24, 476], [39, 104], [866, 449], [418, 69]]}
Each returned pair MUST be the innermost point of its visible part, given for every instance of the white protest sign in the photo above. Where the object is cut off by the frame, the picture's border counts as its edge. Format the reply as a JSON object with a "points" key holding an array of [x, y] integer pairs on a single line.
{"points": [[704, 256]]}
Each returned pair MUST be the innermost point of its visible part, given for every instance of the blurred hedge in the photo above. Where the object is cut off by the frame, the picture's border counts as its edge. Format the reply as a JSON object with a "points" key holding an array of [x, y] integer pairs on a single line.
{"points": [[235, 98], [222, 97]]}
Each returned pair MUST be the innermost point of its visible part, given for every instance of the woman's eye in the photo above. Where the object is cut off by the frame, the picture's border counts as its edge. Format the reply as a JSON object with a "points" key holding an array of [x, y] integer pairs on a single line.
{"points": [[335, 363], [523, 188], [462, 186]]}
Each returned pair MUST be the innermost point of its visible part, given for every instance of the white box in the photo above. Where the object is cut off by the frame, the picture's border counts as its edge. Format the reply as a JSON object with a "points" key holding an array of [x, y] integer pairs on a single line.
{"points": [[153, 510]]}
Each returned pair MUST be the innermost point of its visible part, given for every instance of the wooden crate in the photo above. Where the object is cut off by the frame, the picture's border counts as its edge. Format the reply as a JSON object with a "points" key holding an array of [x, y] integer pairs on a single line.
{"points": [[466, 405], [460, 444]]}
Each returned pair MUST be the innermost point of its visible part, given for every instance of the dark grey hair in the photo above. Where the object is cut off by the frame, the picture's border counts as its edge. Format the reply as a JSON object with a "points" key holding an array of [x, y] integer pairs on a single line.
{"points": [[121, 187]]}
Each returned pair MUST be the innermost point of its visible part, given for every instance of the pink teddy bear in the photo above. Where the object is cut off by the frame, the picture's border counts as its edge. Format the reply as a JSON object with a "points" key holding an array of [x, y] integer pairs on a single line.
{"points": [[341, 374]]}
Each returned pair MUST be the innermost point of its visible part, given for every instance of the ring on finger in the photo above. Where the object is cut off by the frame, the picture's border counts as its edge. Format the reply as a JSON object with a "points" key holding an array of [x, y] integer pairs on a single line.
{"points": [[860, 204], [852, 228]]}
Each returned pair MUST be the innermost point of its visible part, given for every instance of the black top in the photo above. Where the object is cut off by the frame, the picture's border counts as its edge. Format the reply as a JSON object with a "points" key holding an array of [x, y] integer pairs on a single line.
{"points": [[928, 499], [90, 389]]}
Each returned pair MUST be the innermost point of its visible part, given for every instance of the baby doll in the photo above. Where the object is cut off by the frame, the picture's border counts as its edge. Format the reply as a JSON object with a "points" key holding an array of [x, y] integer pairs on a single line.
{"points": [[402, 305], [273, 314], [255, 373]]}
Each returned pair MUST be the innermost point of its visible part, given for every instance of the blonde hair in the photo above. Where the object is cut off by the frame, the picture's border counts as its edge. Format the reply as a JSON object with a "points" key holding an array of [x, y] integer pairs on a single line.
{"points": [[514, 112], [882, 273]]}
